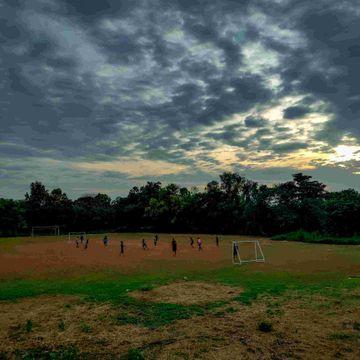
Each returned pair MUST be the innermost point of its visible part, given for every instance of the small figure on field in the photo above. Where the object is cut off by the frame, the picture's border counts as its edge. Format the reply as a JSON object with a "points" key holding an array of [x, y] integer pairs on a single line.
{"points": [[235, 250], [86, 243], [144, 244], [174, 246], [122, 247], [191, 241], [105, 240], [81, 238], [77, 242], [217, 240], [156, 239], [199, 243]]}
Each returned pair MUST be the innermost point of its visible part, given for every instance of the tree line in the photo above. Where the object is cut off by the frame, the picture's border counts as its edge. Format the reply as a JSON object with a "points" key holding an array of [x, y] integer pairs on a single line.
{"points": [[234, 205]]}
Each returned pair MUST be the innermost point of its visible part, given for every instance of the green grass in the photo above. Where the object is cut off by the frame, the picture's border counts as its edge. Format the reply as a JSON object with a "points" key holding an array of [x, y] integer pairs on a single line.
{"points": [[316, 238], [70, 353]]}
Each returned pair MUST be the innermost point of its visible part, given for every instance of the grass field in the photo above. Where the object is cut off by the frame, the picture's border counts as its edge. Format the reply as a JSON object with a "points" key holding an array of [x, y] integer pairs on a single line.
{"points": [[63, 302]]}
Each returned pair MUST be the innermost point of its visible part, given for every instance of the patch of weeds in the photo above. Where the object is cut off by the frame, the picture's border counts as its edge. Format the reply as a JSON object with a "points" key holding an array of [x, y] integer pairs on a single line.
{"points": [[185, 356], [3, 355], [67, 306], [265, 326], [61, 325], [134, 354], [340, 336], [230, 310], [69, 353], [274, 312], [356, 325], [86, 328], [102, 342], [219, 313], [146, 288], [29, 326]]}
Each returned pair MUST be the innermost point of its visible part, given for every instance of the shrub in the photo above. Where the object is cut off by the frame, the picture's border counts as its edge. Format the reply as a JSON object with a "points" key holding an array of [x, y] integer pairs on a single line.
{"points": [[265, 326], [28, 326]]}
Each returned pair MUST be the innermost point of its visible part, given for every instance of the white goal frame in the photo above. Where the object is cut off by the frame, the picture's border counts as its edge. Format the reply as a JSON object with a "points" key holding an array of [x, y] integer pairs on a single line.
{"points": [[236, 256], [55, 228], [77, 233]]}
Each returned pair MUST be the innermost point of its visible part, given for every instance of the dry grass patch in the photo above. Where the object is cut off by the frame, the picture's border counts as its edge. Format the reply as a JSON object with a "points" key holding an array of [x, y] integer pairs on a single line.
{"points": [[187, 293]]}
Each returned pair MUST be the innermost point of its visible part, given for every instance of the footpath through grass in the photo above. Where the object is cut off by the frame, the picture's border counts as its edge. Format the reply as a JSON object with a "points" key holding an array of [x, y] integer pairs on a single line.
{"points": [[316, 238]]}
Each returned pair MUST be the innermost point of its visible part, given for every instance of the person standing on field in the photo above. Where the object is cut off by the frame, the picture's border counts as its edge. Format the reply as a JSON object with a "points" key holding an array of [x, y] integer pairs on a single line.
{"points": [[156, 238], [144, 244], [122, 247], [217, 240], [86, 243], [77, 242], [105, 240], [81, 238], [174, 246], [199, 243], [191, 242]]}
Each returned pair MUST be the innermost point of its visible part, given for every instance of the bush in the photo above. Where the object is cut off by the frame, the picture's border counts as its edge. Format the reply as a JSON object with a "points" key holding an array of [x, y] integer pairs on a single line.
{"points": [[134, 354], [265, 326], [317, 238]]}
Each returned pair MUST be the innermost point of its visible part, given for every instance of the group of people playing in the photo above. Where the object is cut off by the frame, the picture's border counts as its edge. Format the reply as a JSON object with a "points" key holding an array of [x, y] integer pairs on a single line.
{"points": [[85, 241]]}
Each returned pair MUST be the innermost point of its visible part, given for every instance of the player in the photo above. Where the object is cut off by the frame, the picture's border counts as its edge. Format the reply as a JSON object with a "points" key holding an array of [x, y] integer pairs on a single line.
{"points": [[174, 246], [217, 240], [122, 247], [86, 243], [144, 244], [105, 240], [199, 243], [81, 238], [191, 242], [77, 242], [156, 239], [235, 251]]}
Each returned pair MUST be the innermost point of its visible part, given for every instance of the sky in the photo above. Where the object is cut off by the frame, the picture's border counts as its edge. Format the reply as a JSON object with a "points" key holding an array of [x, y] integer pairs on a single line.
{"points": [[100, 96]]}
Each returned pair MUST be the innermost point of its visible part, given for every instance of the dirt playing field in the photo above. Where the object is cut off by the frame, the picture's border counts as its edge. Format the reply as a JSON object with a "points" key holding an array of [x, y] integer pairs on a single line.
{"points": [[48, 254], [60, 301]]}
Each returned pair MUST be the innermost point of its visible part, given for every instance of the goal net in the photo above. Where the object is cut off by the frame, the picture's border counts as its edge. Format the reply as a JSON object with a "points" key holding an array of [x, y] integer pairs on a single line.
{"points": [[45, 231], [246, 251], [77, 235]]}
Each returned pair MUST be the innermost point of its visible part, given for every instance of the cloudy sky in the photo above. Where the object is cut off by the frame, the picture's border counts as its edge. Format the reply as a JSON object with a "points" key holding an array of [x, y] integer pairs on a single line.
{"points": [[107, 94]]}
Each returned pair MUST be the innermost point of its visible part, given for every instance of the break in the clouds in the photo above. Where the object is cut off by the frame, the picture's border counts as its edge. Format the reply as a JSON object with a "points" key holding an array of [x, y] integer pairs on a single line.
{"points": [[100, 95]]}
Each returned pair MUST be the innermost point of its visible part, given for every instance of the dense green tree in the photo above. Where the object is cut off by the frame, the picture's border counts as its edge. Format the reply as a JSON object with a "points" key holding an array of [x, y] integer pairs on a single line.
{"points": [[232, 205]]}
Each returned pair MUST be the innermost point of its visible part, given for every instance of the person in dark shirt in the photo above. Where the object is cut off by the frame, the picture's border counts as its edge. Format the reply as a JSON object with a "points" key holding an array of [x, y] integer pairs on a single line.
{"points": [[122, 247], [191, 242], [174, 246]]}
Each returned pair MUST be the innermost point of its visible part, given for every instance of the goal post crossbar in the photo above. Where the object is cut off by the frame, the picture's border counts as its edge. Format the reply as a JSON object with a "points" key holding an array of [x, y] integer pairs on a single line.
{"points": [[236, 254]]}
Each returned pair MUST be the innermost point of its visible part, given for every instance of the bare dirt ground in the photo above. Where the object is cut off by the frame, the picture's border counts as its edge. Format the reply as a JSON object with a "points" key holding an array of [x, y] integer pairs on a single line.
{"points": [[303, 328], [187, 293], [44, 255]]}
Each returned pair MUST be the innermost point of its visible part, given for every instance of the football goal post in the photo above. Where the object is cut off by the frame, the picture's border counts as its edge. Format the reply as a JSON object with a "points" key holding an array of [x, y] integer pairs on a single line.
{"points": [[45, 230], [246, 251], [75, 234]]}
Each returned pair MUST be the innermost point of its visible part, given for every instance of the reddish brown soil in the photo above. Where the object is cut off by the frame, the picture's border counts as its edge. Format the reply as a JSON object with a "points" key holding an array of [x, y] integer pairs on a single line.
{"points": [[58, 254]]}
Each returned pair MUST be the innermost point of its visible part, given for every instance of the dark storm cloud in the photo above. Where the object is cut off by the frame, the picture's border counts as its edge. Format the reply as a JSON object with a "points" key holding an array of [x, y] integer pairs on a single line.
{"points": [[329, 70], [95, 80], [295, 112], [255, 122], [289, 147]]}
